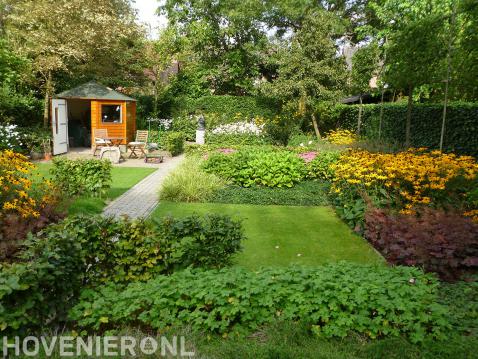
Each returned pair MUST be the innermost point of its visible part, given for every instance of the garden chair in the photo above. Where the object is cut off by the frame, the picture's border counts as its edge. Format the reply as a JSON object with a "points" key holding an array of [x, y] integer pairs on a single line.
{"points": [[100, 136], [139, 144]]}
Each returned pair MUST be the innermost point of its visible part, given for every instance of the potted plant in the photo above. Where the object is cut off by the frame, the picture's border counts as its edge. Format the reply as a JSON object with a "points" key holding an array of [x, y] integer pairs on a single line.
{"points": [[36, 152], [47, 149]]}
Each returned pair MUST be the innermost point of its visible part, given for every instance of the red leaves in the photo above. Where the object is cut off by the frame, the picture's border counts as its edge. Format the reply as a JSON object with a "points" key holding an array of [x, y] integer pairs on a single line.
{"points": [[440, 242]]}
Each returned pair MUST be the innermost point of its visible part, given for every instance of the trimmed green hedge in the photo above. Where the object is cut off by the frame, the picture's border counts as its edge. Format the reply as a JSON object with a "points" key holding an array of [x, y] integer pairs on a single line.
{"points": [[460, 130], [249, 106]]}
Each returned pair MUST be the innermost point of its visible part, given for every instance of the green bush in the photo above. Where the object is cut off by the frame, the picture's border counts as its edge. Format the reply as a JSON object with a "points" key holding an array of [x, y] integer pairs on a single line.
{"points": [[174, 142], [461, 125], [235, 139], [308, 193], [187, 125], [204, 242], [189, 183], [321, 166], [124, 251], [82, 177], [265, 168], [39, 289], [334, 300]]}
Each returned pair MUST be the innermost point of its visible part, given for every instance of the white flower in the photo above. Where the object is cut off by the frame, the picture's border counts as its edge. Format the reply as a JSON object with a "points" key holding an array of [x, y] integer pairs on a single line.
{"points": [[239, 128], [310, 142], [301, 145]]}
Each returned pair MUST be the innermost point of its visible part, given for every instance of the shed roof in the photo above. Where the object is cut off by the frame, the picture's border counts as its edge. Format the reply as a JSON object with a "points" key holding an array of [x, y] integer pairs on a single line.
{"points": [[94, 91]]}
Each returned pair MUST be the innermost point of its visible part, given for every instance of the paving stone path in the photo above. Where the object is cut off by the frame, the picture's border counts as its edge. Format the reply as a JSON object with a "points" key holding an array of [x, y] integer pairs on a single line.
{"points": [[141, 199]]}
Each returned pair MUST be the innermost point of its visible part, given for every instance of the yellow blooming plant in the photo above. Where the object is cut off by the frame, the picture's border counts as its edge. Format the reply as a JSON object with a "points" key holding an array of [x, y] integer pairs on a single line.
{"points": [[341, 137], [18, 194], [411, 178]]}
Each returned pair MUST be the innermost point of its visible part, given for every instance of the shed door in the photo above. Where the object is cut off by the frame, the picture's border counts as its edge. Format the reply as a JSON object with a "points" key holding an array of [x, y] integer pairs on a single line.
{"points": [[59, 123]]}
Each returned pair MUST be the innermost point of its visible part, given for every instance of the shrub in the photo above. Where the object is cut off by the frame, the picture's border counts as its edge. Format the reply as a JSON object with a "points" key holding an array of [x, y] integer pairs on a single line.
{"points": [[207, 242], [280, 128], [187, 125], [39, 290], [10, 138], [174, 143], [123, 250], [26, 202], [440, 242], [309, 193], [320, 167], [189, 183], [82, 177], [265, 168], [334, 299]]}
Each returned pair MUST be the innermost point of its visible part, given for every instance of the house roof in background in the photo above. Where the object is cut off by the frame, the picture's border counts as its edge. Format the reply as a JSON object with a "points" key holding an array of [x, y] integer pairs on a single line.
{"points": [[94, 91]]}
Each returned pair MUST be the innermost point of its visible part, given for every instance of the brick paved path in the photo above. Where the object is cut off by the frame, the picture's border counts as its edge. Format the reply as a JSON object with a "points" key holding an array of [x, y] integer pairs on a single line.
{"points": [[141, 199]]}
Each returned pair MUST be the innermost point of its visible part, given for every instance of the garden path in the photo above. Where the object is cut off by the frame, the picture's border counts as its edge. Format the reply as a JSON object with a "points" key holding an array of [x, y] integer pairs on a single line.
{"points": [[141, 199]]}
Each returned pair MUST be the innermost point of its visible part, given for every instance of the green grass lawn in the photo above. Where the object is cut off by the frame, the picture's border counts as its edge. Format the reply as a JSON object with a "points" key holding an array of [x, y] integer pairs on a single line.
{"points": [[282, 235], [123, 178]]}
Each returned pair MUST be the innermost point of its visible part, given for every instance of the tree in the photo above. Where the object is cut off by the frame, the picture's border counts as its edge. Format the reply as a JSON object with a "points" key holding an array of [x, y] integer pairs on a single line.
{"points": [[414, 59], [365, 64], [310, 69], [59, 35], [225, 39]]}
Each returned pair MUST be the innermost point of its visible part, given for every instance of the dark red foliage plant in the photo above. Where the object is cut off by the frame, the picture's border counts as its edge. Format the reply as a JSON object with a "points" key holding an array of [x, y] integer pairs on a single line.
{"points": [[14, 229], [438, 241]]}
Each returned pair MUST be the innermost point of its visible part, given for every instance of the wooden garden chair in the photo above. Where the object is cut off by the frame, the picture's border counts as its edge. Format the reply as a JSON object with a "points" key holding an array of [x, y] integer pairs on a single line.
{"points": [[100, 139], [139, 144]]}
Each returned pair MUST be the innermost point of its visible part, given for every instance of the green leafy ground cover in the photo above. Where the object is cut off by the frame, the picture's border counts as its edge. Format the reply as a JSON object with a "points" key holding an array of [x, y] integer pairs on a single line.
{"points": [[283, 235], [123, 178]]}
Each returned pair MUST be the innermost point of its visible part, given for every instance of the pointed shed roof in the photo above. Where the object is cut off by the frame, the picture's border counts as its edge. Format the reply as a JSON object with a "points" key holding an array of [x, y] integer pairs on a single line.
{"points": [[94, 91]]}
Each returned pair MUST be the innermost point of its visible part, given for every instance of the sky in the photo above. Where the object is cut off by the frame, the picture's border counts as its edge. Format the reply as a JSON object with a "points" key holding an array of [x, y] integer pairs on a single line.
{"points": [[147, 14]]}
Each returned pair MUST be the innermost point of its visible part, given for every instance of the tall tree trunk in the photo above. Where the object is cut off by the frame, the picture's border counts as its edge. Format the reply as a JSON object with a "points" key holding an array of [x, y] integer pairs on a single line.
{"points": [[381, 116], [409, 116], [447, 81], [316, 127], [359, 123], [46, 103]]}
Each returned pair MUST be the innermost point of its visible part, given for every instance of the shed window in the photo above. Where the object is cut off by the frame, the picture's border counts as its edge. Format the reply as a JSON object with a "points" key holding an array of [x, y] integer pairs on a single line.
{"points": [[111, 113]]}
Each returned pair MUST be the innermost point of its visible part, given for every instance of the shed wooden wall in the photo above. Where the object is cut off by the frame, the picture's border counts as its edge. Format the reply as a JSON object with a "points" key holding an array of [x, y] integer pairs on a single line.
{"points": [[125, 129]]}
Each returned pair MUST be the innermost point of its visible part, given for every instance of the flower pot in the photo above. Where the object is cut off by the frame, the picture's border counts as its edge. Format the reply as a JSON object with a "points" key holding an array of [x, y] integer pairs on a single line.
{"points": [[47, 156], [37, 155]]}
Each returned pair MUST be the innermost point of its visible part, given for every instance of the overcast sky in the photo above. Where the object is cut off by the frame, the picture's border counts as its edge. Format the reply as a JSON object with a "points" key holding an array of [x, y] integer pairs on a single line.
{"points": [[147, 14]]}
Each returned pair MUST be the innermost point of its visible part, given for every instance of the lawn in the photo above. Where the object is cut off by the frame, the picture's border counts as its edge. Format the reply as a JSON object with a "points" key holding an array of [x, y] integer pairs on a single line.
{"points": [[123, 178], [282, 235]]}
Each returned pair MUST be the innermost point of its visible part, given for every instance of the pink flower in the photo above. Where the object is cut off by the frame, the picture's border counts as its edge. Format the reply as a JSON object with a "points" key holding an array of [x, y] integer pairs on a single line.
{"points": [[226, 151], [308, 156]]}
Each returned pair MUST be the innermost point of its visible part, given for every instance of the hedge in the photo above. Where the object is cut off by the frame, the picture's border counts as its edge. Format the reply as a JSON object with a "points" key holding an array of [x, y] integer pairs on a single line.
{"points": [[249, 106], [460, 130]]}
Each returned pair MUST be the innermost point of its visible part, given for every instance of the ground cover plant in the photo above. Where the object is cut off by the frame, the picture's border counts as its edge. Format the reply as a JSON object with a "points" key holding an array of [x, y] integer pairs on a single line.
{"points": [[43, 281], [307, 193], [334, 299], [283, 235], [440, 242]]}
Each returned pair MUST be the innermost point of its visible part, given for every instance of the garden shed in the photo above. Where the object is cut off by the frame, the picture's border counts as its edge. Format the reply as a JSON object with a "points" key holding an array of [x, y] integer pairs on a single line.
{"points": [[76, 113]]}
